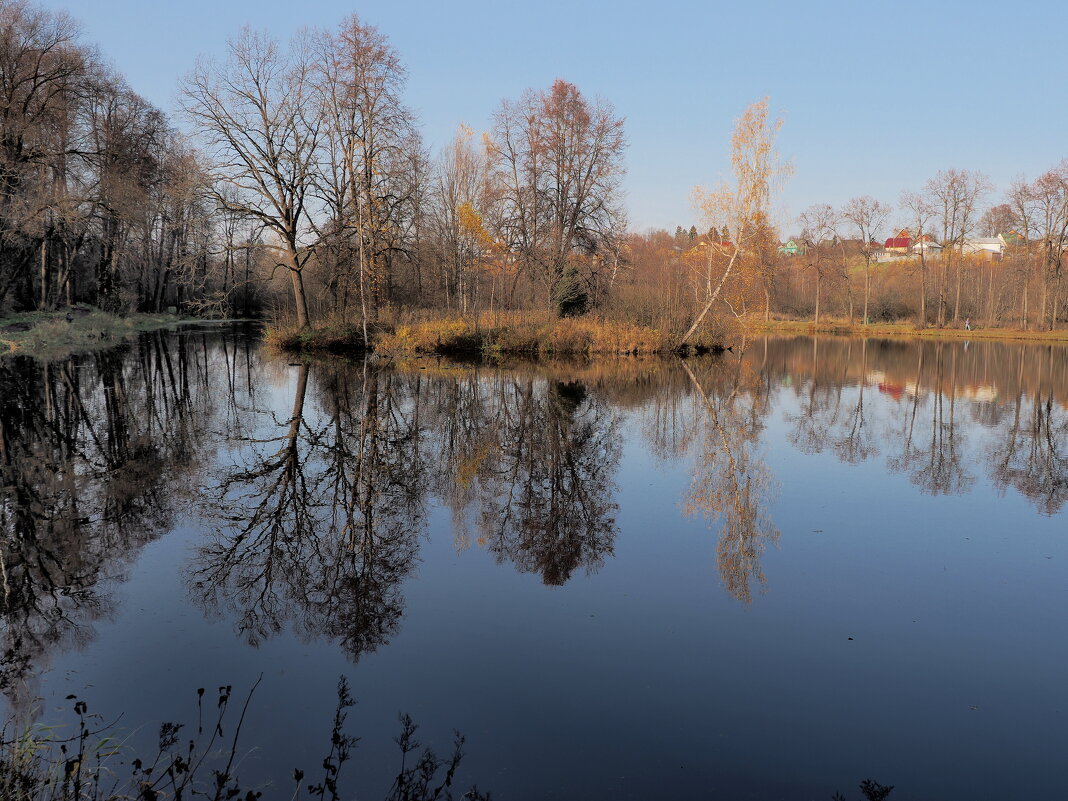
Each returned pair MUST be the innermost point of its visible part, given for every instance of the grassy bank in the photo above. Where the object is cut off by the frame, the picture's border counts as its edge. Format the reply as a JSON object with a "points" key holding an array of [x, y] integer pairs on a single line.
{"points": [[53, 335], [518, 334], [906, 329]]}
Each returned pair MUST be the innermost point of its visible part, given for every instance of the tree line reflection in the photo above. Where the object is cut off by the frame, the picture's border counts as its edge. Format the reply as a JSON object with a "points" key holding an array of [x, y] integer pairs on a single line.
{"points": [[316, 481], [947, 412], [98, 455]]}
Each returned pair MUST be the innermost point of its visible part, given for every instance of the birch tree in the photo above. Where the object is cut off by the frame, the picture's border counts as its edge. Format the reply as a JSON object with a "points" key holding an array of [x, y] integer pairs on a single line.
{"points": [[921, 213], [738, 206]]}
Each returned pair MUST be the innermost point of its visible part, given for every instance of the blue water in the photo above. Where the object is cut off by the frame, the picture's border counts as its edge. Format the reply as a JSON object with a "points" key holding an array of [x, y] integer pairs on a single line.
{"points": [[617, 580]]}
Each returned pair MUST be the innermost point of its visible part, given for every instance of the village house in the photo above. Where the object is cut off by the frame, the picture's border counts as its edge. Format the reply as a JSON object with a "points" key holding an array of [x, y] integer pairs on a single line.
{"points": [[898, 244], [926, 246], [991, 247]]}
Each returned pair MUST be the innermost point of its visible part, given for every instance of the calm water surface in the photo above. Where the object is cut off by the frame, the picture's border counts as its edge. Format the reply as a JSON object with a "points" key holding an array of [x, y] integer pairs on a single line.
{"points": [[767, 575]]}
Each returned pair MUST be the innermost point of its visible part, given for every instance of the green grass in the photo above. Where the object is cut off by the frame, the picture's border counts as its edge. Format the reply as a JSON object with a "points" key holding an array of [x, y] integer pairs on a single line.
{"points": [[49, 335]]}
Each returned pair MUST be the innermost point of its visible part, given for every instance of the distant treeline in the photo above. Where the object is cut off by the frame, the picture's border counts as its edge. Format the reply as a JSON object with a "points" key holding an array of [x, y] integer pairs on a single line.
{"points": [[306, 191]]}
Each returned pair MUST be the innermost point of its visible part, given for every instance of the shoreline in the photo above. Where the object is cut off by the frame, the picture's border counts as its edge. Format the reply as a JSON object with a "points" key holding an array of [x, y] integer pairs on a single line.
{"points": [[517, 335], [50, 335], [902, 331]]}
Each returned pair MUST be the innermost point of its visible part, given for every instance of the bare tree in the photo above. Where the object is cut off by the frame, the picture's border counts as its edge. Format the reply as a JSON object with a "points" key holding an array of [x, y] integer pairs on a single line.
{"points": [[257, 112], [819, 230], [460, 191], [1050, 193], [955, 194], [372, 154], [559, 159], [921, 212], [867, 215]]}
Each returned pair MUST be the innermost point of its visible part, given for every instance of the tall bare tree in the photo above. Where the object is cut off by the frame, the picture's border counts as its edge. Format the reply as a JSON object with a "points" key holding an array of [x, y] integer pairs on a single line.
{"points": [[867, 216], [1050, 193], [259, 115], [373, 156], [955, 195], [819, 231], [921, 212]]}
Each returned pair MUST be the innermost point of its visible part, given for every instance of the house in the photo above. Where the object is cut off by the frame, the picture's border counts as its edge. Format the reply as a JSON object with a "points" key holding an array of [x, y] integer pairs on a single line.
{"points": [[1013, 238], [992, 247], [792, 248], [898, 244], [927, 246]]}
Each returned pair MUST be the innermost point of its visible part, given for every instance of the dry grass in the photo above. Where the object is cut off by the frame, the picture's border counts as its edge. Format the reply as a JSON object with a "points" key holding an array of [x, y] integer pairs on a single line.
{"points": [[533, 334], [526, 333]]}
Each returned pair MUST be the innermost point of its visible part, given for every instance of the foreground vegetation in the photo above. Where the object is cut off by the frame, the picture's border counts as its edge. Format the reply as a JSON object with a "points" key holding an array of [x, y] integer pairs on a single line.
{"points": [[38, 764], [57, 334], [94, 763]]}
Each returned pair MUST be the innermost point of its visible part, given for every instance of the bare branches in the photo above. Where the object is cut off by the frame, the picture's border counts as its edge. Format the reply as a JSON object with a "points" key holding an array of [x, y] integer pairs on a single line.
{"points": [[257, 112]]}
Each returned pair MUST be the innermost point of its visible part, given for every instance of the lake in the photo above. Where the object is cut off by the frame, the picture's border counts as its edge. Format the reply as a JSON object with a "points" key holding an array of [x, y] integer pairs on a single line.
{"points": [[760, 575]]}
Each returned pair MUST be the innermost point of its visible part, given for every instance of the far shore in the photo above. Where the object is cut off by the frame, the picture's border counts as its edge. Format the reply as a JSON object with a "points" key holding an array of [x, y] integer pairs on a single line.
{"points": [[526, 334], [60, 333], [907, 330]]}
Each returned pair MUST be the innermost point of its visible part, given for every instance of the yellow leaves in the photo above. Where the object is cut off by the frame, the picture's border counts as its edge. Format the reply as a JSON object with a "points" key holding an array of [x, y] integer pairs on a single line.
{"points": [[471, 224]]}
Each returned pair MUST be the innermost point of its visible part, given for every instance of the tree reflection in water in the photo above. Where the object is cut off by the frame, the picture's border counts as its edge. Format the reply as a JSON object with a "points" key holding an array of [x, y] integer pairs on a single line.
{"points": [[317, 516], [548, 484], [730, 483], [934, 461], [97, 456], [322, 516], [321, 521]]}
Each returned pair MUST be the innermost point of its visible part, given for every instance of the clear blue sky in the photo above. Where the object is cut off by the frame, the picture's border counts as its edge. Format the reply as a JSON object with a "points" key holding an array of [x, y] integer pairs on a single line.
{"points": [[876, 96]]}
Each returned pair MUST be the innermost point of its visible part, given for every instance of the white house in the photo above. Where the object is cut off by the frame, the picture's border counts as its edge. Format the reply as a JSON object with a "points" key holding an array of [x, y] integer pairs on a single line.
{"points": [[989, 246], [928, 247]]}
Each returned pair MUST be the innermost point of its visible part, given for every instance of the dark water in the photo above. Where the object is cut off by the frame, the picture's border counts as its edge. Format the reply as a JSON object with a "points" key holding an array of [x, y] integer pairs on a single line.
{"points": [[761, 576]]}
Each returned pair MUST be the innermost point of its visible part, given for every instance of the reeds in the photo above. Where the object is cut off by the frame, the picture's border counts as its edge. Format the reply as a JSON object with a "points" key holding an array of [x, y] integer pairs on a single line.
{"points": [[37, 763]]}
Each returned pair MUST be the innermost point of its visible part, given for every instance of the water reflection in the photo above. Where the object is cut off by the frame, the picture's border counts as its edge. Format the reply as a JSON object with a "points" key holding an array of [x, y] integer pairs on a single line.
{"points": [[936, 397], [315, 482], [731, 484], [320, 516], [97, 456], [541, 472]]}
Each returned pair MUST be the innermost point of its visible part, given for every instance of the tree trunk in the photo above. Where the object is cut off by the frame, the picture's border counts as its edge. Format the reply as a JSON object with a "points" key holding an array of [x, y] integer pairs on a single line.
{"points": [[44, 273], [711, 299], [867, 287], [956, 302], [819, 287], [923, 292], [300, 299]]}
